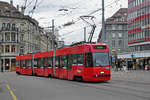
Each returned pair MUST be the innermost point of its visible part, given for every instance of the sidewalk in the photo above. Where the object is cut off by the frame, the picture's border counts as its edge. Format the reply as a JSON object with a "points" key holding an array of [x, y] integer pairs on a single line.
{"points": [[133, 75]]}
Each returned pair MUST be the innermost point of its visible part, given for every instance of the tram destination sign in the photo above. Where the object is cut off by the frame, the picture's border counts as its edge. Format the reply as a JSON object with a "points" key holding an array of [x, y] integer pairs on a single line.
{"points": [[99, 47]]}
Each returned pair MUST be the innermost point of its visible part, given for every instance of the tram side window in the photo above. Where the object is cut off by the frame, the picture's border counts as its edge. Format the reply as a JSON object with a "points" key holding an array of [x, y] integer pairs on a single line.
{"points": [[26, 63], [50, 62], [88, 60], [74, 60], [69, 61], [80, 59], [23, 63], [29, 63], [57, 61], [64, 61], [35, 62], [18, 63], [45, 62], [41, 62]]}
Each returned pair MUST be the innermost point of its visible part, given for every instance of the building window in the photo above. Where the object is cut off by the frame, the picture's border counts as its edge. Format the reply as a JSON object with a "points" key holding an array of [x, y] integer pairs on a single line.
{"points": [[120, 43], [13, 27], [7, 36], [22, 36], [108, 27], [7, 49], [119, 27], [8, 26], [1, 37], [120, 35], [113, 27], [113, 43], [113, 35], [1, 48], [13, 36], [3, 26], [13, 49]]}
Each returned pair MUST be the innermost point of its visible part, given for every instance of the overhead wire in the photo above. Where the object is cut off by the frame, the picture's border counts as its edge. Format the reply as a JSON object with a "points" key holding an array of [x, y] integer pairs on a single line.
{"points": [[29, 3], [88, 15], [78, 19], [99, 23], [99, 9], [39, 3], [34, 7], [25, 4]]}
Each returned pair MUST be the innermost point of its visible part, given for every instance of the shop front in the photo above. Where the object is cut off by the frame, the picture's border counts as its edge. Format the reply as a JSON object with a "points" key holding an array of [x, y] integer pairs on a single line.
{"points": [[8, 64], [136, 60]]}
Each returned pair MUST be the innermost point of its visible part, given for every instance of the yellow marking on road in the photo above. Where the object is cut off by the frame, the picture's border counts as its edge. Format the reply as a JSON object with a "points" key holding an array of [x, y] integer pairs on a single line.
{"points": [[11, 92]]}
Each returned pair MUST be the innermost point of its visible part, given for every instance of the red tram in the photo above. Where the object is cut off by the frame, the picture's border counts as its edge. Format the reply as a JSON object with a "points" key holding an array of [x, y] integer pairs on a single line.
{"points": [[83, 62]]}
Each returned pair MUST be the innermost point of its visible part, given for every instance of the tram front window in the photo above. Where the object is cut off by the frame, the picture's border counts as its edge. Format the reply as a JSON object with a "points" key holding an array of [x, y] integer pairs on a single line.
{"points": [[100, 59], [97, 59]]}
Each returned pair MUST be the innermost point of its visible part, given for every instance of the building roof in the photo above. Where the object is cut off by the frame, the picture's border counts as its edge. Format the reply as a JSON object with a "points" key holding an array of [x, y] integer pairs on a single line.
{"points": [[9, 11], [120, 17], [6, 5]]}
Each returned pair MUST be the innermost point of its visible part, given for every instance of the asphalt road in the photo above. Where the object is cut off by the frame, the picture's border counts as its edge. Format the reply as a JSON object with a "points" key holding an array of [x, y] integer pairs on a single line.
{"points": [[134, 85]]}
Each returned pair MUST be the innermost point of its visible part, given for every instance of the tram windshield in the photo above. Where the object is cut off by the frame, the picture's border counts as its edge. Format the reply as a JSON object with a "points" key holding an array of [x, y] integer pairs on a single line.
{"points": [[97, 59]]}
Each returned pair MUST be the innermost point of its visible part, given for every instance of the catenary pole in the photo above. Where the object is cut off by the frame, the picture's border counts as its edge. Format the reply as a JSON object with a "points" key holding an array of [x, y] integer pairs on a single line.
{"points": [[53, 46], [103, 22], [85, 34]]}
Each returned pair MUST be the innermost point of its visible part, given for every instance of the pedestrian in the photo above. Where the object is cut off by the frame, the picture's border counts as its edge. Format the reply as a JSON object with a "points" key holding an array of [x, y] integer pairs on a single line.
{"points": [[147, 67], [119, 65], [125, 67], [1, 68], [116, 66]]}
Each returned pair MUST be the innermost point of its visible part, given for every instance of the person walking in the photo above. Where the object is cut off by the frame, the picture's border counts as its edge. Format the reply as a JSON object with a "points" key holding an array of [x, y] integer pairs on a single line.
{"points": [[125, 67], [1, 68]]}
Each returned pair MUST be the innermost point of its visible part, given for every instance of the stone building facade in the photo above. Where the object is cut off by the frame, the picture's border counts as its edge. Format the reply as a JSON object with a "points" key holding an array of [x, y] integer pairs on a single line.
{"points": [[19, 34], [116, 32]]}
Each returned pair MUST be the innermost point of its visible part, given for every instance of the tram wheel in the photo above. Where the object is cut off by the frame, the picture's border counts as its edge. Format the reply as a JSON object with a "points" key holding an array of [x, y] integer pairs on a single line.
{"points": [[49, 75], [18, 73], [78, 78]]}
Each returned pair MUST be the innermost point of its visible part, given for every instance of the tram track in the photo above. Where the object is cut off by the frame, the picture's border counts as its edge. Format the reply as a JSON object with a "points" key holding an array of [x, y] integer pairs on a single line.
{"points": [[132, 82], [108, 87], [114, 90]]}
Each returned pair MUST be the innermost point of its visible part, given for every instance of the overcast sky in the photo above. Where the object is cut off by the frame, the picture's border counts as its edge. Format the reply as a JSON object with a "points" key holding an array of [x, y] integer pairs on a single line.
{"points": [[46, 10]]}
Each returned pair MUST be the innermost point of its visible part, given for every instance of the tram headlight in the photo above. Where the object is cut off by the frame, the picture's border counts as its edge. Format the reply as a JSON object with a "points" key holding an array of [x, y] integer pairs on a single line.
{"points": [[102, 72]]}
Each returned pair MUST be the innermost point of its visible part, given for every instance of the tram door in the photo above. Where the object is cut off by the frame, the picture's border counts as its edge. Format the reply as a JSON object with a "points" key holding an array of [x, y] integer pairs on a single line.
{"points": [[69, 67]]}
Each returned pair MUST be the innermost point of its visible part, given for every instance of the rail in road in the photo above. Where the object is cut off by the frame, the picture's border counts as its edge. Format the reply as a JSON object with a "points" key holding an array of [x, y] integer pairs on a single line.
{"points": [[117, 87]]}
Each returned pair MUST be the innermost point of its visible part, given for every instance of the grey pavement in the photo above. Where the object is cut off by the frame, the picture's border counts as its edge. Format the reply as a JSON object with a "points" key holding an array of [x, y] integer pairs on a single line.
{"points": [[132, 75], [132, 85]]}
